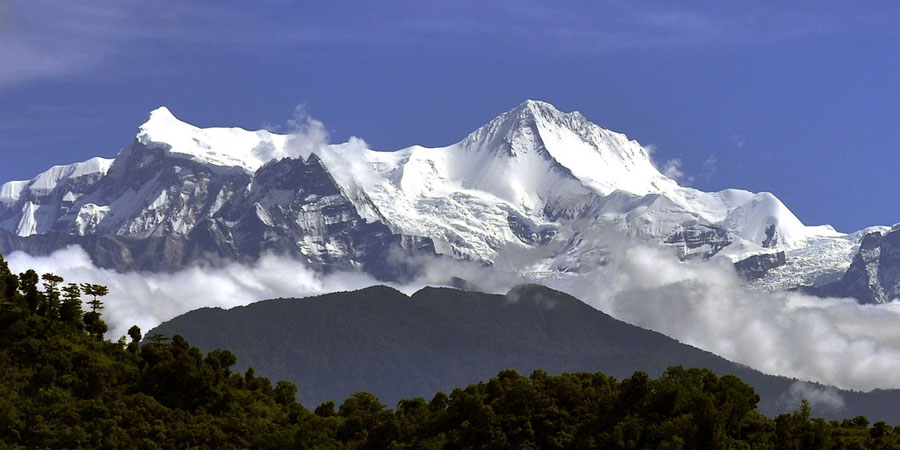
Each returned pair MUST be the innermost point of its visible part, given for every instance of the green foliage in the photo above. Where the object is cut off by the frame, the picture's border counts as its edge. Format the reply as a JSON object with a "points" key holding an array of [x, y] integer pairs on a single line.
{"points": [[50, 301], [70, 310], [9, 283], [95, 290], [28, 282], [135, 334], [66, 387]]}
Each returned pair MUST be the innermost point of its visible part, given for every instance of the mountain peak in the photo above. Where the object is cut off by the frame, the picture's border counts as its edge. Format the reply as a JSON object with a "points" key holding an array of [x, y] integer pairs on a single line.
{"points": [[515, 131], [530, 111], [601, 159], [538, 106], [161, 113], [161, 124], [225, 147], [161, 121]]}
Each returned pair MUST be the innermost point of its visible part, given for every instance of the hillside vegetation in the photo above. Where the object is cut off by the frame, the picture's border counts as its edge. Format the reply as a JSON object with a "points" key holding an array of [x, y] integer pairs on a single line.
{"points": [[62, 385], [396, 346]]}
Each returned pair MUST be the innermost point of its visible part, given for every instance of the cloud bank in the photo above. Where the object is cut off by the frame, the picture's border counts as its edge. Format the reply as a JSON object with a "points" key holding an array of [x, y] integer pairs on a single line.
{"points": [[705, 304], [831, 341], [146, 299]]}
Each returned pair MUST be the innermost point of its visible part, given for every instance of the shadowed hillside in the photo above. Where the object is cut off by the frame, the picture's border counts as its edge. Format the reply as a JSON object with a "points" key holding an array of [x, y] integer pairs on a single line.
{"points": [[381, 341]]}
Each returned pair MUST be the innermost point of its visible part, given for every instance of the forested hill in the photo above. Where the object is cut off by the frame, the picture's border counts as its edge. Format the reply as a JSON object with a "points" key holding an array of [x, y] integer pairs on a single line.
{"points": [[381, 341], [62, 385]]}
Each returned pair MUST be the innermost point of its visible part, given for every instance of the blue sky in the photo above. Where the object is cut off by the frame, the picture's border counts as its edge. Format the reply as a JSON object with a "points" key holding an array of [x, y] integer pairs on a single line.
{"points": [[802, 100]]}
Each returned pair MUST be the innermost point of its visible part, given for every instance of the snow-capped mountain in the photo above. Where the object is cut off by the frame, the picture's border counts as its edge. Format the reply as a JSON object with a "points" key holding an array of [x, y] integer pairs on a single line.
{"points": [[44, 197], [157, 208], [534, 181], [535, 171]]}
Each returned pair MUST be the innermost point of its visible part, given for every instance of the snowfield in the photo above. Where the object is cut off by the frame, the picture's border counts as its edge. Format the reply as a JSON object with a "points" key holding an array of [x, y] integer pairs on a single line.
{"points": [[534, 179]]}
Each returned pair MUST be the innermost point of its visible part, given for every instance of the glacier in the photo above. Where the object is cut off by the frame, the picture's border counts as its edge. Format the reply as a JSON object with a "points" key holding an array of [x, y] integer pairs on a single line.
{"points": [[534, 181]]}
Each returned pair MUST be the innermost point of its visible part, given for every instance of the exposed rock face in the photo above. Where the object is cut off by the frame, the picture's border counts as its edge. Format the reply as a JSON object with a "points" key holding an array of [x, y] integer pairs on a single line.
{"points": [[874, 274], [771, 240], [699, 241], [535, 181], [162, 213], [889, 266], [862, 278], [758, 265], [528, 232]]}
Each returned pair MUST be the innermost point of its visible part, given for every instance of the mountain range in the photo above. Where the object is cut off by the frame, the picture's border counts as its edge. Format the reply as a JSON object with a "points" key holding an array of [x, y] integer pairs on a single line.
{"points": [[546, 186]]}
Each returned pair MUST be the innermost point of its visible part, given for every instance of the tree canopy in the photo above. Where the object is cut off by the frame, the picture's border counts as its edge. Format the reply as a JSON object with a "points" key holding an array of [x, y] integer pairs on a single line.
{"points": [[63, 385]]}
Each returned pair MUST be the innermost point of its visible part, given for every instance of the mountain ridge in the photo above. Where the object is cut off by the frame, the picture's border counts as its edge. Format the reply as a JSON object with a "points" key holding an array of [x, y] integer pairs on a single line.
{"points": [[399, 346], [533, 179]]}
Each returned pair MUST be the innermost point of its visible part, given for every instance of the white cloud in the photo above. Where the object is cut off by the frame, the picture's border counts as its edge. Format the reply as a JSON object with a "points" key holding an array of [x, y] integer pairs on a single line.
{"points": [[820, 398], [146, 299], [831, 341], [702, 303], [708, 168], [672, 169], [307, 135]]}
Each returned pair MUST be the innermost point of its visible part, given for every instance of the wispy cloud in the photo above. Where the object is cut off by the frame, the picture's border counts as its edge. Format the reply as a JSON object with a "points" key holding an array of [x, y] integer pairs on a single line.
{"points": [[43, 39], [709, 167], [40, 39], [616, 26], [820, 398], [672, 169]]}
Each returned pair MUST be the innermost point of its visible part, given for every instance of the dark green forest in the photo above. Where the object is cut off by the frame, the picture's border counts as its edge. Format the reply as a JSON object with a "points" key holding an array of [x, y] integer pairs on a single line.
{"points": [[63, 385], [399, 346]]}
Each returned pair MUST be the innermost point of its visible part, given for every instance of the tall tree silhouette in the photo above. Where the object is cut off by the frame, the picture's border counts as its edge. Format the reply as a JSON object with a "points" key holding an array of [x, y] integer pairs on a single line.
{"points": [[92, 321], [135, 333], [70, 311], [95, 290], [28, 283], [8, 282], [50, 302]]}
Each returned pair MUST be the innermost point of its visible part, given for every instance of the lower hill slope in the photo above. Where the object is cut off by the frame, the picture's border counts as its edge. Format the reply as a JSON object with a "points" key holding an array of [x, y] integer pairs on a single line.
{"points": [[379, 340]]}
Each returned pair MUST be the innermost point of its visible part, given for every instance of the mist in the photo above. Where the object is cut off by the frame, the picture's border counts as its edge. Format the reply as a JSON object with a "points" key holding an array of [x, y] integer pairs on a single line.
{"points": [[148, 299], [705, 304], [702, 303], [820, 398]]}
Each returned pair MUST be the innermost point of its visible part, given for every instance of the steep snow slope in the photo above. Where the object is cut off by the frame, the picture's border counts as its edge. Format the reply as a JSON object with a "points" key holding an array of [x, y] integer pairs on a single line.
{"points": [[534, 179], [49, 194], [226, 147], [539, 167]]}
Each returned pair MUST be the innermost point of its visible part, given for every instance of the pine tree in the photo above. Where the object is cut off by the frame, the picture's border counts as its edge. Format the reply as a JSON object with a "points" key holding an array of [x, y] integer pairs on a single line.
{"points": [[49, 306], [9, 282], [5, 274], [28, 282], [92, 321], [8, 286], [70, 311], [95, 290]]}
